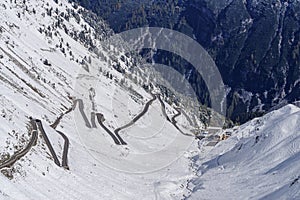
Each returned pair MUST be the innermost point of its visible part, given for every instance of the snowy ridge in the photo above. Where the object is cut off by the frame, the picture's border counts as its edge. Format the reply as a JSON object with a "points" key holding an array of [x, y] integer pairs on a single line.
{"points": [[259, 161]]}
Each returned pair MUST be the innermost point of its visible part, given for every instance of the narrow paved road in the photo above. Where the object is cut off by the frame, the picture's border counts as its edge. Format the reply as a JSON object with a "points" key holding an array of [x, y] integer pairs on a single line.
{"points": [[81, 109], [176, 115], [174, 122], [163, 108], [14, 158], [120, 139], [66, 149], [145, 110], [49, 145], [57, 121], [101, 119], [136, 118], [37, 124]]}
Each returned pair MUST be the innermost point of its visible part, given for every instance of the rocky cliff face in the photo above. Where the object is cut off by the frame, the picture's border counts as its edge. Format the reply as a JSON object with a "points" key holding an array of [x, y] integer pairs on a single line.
{"points": [[255, 44], [257, 50]]}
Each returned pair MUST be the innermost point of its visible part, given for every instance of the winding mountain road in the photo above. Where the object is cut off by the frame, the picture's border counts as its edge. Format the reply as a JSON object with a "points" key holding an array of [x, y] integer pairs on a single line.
{"points": [[176, 115], [163, 108], [136, 118], [145, 110], [48, 143], [101, 119], [174, 122], [57, 121], [66, 149], [14, 158], [81, 110], [37, 124]]}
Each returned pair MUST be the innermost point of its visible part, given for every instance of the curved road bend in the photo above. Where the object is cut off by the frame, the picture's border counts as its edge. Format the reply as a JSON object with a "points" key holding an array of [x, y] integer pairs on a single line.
{"points": [[65, 153], [136, 118], [50, 147], [14, 158], [176, 115], [101, 119], [57, 121], [174, 122], [81, 109], [163, 108]]}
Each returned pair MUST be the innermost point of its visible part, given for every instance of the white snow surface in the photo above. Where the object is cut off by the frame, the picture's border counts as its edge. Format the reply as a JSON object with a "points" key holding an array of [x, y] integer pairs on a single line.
{"points": [[259, 160], [154, 164]]}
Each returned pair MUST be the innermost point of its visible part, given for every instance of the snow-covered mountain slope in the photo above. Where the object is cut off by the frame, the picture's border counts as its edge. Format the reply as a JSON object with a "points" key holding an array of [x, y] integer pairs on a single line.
{"points": [[261, 160], [120, 139], [54, 69]]}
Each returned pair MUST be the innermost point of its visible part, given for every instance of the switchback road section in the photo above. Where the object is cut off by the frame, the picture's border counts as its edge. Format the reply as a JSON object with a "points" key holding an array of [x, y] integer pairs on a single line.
{"points": [[101, 119], [136, 118], [18, 155], [66, 149], [48, 143]]}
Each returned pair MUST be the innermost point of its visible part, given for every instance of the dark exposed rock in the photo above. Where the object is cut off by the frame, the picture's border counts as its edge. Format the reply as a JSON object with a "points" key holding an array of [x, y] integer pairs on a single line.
{"points": [[255, 44]]}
